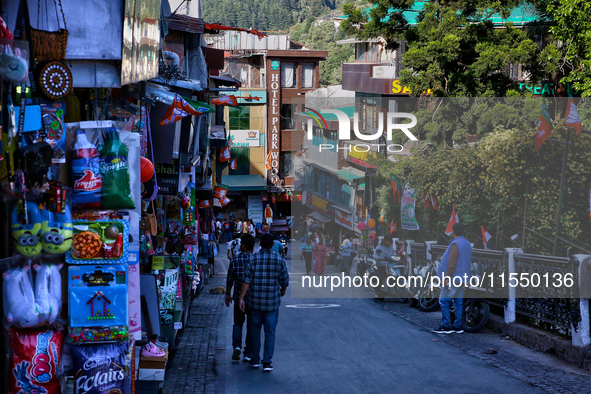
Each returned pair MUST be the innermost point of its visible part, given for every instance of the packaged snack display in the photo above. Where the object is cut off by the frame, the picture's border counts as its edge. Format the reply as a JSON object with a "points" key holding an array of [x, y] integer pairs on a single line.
{"points": [[48, 292], [114, 167], [26, 228], [34, 361], [97, 296], [99, 240], [102, 368], [56, 230], [86, 176], [20, 309]]}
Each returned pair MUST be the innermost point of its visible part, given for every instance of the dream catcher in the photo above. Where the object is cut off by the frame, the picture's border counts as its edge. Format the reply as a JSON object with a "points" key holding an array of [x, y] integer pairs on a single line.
{"points": [[55, 80]]}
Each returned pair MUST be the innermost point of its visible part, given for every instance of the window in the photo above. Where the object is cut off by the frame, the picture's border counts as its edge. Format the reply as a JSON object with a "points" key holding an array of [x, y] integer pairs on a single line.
{"points": [[240, 118], [320, 182], [308, 75], [344, 193], [316, 136], [286, 164], [333, 186], [331, 139], [287, 116], [288, 79]]}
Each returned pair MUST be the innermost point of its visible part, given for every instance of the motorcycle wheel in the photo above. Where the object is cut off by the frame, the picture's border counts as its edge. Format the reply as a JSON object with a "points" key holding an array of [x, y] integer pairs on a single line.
{"points": [[428, 303], [414, 302], [475, 316]]}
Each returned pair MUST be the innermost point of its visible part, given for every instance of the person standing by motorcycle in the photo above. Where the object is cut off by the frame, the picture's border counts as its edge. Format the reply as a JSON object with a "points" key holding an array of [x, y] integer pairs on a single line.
{"points": [[383, 255], [456, 262]]}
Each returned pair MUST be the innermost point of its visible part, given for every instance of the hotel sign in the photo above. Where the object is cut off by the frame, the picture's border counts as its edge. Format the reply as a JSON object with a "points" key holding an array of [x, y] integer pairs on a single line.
{"points": [[273, 119]]}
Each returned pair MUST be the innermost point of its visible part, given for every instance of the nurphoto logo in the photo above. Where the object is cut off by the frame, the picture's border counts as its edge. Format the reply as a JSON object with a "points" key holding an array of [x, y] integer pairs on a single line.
{"points": [[344, 130]]}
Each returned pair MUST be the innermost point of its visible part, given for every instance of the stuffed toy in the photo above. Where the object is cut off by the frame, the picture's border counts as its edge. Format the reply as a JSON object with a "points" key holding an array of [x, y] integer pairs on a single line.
{"points": [[56, 231], [48, 292], [13, 64], [26, 236], [20, 308]]}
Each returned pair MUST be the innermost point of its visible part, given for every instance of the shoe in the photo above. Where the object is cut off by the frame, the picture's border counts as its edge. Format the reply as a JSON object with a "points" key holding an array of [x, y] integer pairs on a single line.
{"points": [[267, 367], [442, 330], [236, 354], [152, 351], [255, 365], [246, 358], [457, 330]]}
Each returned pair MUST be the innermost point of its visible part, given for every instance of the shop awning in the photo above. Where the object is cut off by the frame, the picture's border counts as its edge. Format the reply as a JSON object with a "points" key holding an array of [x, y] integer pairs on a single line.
{"points": [[244, 182], [350, 174], [224, 79], [320, 217]]}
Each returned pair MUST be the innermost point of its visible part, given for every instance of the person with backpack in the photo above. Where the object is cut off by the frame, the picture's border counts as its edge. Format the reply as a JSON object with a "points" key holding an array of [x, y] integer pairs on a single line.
{"points": [[228, 230]]}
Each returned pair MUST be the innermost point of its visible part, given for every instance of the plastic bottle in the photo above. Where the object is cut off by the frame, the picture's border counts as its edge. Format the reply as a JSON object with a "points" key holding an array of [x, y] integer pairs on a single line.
{"points": [[115, 171], [86, 175]]}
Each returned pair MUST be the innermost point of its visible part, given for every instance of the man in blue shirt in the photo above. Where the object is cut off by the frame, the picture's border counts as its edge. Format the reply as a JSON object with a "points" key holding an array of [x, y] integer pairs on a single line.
{"points": [[266, 280], [456, 262]]}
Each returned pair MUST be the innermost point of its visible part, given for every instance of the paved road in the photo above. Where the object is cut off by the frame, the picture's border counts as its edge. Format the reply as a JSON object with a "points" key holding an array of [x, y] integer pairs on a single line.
{"points": [[357, 346]]}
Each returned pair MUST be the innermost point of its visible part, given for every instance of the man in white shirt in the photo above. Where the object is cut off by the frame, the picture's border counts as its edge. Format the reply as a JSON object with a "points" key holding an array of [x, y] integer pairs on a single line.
{"points": [[239, 227]]}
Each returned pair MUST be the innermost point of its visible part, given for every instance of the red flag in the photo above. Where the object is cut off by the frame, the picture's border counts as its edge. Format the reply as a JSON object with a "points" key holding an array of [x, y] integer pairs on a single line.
{"points": [[485, 237], [225, 154], [572, 116], [545, 127], [234, 164], [452, 220], [434, 202], [395, 188], [273, 198], [427, 201], [268, 165], [204, 204], [178, 110], [226, 100]]}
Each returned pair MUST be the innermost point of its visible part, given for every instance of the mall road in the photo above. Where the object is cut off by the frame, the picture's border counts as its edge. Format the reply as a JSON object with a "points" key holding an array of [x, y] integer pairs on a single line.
{"points": [[358, 346]]}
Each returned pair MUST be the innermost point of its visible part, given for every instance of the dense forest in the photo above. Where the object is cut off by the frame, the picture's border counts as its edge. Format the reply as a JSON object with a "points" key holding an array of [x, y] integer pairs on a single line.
{"points": [[268, 15]]}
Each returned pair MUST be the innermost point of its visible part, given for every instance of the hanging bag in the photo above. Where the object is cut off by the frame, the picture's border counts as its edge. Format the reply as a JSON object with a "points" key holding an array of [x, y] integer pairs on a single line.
{"points": [[49, 45], [152, 221]]}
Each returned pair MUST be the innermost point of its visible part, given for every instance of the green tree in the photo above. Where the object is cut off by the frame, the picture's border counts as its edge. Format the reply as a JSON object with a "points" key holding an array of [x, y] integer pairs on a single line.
{"points": [[453, 49]]}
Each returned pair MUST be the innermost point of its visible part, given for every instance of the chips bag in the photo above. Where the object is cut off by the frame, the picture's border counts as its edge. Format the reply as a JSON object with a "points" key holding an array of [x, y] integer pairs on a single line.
{"points": [[114, 169], [35, 358]]}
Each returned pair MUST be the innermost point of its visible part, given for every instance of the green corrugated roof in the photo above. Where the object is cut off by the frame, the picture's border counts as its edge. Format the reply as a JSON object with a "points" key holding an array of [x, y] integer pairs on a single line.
{"points": [[349, 174], [519, 16], [244, 182]]}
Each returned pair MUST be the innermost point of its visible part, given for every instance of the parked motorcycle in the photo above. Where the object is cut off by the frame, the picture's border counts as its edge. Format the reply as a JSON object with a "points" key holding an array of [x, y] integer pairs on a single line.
{"points": [[476, 311], [425, 298]]}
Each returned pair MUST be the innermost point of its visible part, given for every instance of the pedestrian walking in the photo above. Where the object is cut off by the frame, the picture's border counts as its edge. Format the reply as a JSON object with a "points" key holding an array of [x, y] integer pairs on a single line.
{"points": [[228, 230], [320, 255], [346, 255], [239, 226], [456, 262], [268, 215], [245, 227], [267, 279], [251, 228], [307, 250], [233, 247], [236, 271]]}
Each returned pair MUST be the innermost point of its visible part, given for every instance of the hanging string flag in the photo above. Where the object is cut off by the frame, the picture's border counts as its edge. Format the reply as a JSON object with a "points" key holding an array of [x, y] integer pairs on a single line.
{"points": [[230, 100], [485, 237], [434, 202], [180, 108], [393, 226], [268, 164], [427, 201], [452, 220], [225, 154], [545, 127], [234, 164], [572, 116]]}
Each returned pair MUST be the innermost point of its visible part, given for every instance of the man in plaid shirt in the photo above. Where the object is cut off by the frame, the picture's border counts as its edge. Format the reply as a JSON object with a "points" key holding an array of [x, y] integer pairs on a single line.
{"points": [[266, 280], [236, 270]]}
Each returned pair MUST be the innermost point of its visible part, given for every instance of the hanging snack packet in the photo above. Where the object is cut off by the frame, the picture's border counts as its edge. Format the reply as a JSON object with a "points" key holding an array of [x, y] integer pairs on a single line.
{"points": [[86, 176], [114, 167]]}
